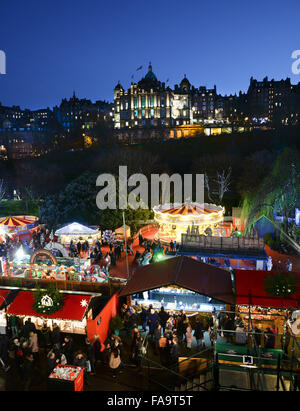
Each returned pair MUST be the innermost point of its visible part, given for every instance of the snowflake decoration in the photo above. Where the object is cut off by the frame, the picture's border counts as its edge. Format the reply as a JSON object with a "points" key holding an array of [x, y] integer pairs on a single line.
{"points": [[83, 303]]}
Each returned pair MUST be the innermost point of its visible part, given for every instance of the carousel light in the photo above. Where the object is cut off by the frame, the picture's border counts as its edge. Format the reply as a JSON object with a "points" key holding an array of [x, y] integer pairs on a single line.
{"points": [[20, 254], [2, 231]]}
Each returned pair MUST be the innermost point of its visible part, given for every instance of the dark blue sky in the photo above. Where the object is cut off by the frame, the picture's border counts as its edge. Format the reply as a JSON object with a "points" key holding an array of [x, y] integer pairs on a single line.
{"points": [[55, 47]]}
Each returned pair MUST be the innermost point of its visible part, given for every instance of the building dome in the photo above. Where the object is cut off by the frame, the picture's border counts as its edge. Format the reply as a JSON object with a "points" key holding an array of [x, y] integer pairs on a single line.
{"points": [[185, 84], [150, 75], [118, 86]]}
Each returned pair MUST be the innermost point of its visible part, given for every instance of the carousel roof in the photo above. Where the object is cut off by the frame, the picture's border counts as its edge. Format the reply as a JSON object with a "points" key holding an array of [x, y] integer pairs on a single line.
{"points": [[185, 209], [16, 221], [75, 229]]}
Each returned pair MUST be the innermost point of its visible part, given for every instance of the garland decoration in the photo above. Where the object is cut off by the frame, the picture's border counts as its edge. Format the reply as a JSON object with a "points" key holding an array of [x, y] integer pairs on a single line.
{"points": [[48, 301], [281, 284]]}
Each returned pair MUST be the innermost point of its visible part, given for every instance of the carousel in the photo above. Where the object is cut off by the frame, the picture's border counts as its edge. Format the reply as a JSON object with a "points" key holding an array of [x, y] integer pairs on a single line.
{"points": [[21, 226], [173, 220]]}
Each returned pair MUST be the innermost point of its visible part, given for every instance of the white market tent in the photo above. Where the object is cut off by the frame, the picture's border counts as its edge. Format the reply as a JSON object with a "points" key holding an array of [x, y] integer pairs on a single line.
{"points": [[74, 230]]}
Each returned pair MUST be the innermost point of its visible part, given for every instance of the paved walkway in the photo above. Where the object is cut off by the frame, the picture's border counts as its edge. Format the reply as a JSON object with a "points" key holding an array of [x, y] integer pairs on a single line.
{"points": [[279, 260]]}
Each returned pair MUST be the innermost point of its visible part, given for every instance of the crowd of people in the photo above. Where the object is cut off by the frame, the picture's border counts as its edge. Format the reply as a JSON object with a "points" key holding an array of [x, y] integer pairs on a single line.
{"points": [[29, 350], [170, 332]]}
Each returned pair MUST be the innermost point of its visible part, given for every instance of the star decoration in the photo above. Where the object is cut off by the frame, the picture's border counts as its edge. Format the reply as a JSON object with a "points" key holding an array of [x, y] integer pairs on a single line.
{"points": [[83, 303]]}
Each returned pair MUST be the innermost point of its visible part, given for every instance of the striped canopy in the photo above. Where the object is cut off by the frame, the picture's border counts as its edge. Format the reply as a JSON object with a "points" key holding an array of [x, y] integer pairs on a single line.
{"points": [[17, 221], [188, 209]]}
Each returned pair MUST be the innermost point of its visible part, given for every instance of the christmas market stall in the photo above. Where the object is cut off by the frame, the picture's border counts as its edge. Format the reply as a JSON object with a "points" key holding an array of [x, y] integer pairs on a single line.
{"points": [[77, 313], [67, 310], [180, 283], [119, 232], [77, 232], [268, 297]]}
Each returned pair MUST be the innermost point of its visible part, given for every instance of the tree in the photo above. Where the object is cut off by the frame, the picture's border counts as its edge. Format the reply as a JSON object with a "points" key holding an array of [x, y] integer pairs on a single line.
{"points": [[279, 191], [217, 187], [77, 202]]}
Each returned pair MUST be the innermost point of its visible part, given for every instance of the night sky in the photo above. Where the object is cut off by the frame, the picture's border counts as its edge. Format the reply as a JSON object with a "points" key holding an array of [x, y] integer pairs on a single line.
{"points": [[55, 47]]}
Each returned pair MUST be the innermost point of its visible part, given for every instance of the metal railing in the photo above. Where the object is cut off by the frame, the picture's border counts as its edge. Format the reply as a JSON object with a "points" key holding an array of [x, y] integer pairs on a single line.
{"points": [[171, 369], [284, 365]]}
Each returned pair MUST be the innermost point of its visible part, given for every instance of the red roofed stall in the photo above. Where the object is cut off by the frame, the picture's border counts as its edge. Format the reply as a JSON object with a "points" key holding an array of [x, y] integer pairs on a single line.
{"points": [[249, 286], [80, 314], [70, 318]]}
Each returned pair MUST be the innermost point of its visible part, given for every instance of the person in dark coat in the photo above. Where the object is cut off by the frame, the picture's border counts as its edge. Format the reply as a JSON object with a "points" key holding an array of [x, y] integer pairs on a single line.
{"points": [[157, 335], [45, 336], [199, 334], [163, 318], [28, 371], [27, 328], [269, 338], [179, 326], [52, 361], [80, 361], [174, 353], [257, 336], [4, 347], [144, 318], [285, 342], [137, 353], [67, 349], [97, 349], [90, 354], [55, 336], [229, 326], [152, 321]]}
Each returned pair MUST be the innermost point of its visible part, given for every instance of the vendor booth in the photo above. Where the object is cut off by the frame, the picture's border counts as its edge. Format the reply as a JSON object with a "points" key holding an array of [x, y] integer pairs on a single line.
{"points": [[119, 232], [71, 318], [77, 232], [86, 314], [180, 283], [265, 310]]}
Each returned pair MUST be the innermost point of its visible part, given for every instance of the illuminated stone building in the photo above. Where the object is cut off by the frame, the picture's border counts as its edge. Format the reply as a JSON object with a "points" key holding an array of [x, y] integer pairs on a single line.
{"points": [[151, 109], [276, 102], [77, 112]]}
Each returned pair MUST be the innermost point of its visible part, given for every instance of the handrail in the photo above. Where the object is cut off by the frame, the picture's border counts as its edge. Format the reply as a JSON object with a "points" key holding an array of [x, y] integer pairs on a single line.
{"points": [[170, 368], [192, 356], [187, 380]]}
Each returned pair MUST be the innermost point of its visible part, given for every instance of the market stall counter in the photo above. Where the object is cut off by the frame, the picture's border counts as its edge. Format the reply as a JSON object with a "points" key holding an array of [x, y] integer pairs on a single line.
{"points": [[66, 378], [236, 355]]}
